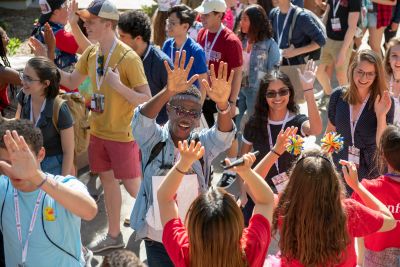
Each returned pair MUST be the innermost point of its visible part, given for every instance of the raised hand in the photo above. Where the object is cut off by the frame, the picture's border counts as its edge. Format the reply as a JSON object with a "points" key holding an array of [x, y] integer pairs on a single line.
{"points": [[73, 18], [49, 38], [382, 104], [178, 77], [307, 77], [189, 153], [350, 173], [37, 48], [282, 139], [220, 89], [22, 163]]}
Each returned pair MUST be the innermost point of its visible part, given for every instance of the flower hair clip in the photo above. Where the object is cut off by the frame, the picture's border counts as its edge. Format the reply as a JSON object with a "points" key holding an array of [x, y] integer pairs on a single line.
{"points": [[332, 142], [295, 145]]}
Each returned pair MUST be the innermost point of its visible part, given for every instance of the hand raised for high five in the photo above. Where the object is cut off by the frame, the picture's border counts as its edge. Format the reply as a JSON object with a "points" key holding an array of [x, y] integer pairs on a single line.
{"points": [[307, 77], [189, 153], [220, 89], [73, 18], [178, 77], [282, 139]]}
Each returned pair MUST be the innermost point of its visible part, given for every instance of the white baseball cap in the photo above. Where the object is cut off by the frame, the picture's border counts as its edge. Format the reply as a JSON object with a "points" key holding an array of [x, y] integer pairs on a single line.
{"points": [[209, 6]]}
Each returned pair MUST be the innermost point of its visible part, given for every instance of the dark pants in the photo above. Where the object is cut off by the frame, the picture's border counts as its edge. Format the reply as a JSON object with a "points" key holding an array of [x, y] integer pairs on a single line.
{"points": [[2, 259], [208, 112], [157, 256]]}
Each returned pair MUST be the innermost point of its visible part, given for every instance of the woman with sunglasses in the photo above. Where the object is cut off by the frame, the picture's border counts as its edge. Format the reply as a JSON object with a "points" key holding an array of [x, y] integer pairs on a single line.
{"points": [[360, 112], [276, 110], [41, 81]]}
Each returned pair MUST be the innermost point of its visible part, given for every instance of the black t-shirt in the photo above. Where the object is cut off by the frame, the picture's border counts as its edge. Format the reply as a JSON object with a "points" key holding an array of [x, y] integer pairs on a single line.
{"points": [[260, 143], [51, 138], [345, 7]]}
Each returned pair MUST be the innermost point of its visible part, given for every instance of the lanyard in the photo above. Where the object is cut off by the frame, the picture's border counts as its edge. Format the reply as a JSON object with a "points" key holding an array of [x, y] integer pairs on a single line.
{"points": [[208, 49], [31, 225], [335, 7], [99, 81], [147, 53], [180, 50], [41, 110], [354, 125], [278, 34], [271, 145], [393, 176]]}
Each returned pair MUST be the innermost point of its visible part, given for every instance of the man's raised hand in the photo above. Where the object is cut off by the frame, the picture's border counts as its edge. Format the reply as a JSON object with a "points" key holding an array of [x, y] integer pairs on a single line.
{"points": [[220, 89]]}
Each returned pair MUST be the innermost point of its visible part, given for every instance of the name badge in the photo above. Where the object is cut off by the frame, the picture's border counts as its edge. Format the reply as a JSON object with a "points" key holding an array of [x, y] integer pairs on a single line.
{"points": [[336, 24], [280, 181], [97, 103], [354, 155]]}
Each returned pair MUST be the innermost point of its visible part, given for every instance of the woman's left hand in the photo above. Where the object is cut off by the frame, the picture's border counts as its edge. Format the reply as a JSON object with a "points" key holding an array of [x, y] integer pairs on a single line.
{"points": [[382, 104], [189, 153], [307, 77]]}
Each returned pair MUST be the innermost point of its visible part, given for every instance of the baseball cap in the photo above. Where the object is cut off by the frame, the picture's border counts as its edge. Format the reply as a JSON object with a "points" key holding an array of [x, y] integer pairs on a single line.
{"points": [[101, 8], [47, 8], [209, 6]]}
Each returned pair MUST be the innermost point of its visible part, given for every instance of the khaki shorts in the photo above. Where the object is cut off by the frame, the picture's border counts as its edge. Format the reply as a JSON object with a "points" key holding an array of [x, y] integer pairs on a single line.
{"points": [[330, 52]]}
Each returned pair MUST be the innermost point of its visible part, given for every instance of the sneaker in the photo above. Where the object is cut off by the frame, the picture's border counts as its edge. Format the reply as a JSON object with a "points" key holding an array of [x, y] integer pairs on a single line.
{"points": [[105, 242], [227, 179], [88, 256]]}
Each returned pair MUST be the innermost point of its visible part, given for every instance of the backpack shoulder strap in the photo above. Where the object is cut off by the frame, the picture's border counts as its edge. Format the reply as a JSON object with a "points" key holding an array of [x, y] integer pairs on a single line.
{"points": [[58, 102], [297, 11], [2, 205], [154, 152]]}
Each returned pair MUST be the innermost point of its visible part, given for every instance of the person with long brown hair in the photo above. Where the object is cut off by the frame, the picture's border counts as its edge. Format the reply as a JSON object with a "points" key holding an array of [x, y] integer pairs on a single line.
{"points": [[392, 66], [214, 233], [361, 111], [316, 223]]}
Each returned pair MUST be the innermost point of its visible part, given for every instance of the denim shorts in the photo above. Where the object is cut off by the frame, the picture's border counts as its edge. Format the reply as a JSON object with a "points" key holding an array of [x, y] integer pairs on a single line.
{"points": [[371, 20], [52, 164]]}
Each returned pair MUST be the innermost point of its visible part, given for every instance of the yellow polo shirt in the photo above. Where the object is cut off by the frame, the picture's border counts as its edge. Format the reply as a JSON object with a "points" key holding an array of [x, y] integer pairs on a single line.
{"points": [[115, 122]]}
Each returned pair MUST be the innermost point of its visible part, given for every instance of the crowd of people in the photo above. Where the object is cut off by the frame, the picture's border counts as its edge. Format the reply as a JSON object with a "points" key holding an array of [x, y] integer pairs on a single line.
{"points": [[155, 102]]}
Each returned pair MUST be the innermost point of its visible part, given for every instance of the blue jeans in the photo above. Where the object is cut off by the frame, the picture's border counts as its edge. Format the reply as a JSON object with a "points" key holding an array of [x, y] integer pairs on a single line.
{"points": [[157, 256], [247, 101], [52, 164]]}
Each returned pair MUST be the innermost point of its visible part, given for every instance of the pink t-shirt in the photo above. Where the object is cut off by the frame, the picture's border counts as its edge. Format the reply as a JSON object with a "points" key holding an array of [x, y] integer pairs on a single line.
{"points": [[361, 221], [255, 241], [388, 192]]}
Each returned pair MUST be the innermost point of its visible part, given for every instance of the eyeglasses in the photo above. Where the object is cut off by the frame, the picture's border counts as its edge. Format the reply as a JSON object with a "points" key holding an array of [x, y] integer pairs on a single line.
{"points": [[369, 75], [27, 79], [100, 68], [171, 23], [281, 92], [180, 111]]}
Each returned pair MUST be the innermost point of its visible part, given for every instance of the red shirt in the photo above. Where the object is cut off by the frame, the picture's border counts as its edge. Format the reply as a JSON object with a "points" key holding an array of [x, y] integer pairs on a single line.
{"points": [[388, 192], [255, 241], [227, 48], [361, 221]]}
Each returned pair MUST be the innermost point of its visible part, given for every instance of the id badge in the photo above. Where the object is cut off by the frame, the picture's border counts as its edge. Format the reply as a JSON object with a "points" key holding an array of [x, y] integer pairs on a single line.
{"points": [[336, 24], [354, 155], [280, 181], [97, 103]]}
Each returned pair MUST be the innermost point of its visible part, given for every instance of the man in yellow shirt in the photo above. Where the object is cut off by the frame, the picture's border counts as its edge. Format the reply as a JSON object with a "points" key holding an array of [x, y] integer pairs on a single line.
{"points": [[119, 83]]}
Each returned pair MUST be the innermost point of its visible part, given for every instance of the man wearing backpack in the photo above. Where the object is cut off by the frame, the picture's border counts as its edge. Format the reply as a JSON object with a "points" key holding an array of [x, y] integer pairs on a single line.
{"points": [[298, 33], [341, 26], [40, 215], [117, 75], [159, 145]]}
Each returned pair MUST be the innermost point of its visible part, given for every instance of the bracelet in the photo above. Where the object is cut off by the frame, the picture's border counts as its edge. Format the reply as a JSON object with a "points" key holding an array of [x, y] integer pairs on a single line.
{"points": [[308, 90], [223, 112], [42, 182], [276, 153], [178, 170]]}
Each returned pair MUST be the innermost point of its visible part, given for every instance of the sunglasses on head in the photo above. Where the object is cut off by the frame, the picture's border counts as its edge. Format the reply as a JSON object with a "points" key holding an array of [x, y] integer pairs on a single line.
{"points": [[280, 92], [100, 63], [180, 111]]}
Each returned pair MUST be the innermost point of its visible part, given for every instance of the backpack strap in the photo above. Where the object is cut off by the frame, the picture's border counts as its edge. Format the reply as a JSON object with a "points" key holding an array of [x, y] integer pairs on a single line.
{"points": [[297, 11], [154, 152], [2, 205], [58, 102]]}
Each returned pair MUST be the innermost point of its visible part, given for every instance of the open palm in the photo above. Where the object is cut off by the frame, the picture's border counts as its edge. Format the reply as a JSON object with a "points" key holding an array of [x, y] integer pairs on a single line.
{"points": [[220, 89]]}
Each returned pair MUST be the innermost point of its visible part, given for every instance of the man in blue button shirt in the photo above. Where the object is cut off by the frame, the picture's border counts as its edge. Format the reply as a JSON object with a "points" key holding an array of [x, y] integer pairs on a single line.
{"points": [[184, 109]]}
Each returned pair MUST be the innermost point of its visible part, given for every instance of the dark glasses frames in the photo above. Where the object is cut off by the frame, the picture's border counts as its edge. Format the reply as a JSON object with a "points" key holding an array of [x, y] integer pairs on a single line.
{"points": [[281, 92], [184, 112]]}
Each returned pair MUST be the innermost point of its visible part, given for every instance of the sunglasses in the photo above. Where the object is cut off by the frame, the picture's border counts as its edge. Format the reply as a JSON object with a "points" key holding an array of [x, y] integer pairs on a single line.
{"points": [[180, 111], [100, 63], [281, 92]]}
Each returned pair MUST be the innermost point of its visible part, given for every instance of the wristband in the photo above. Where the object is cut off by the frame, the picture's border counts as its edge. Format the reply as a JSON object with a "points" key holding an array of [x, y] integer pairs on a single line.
{"points": [[308, 90], [178, 170], [42, 182], [276, 153], [223, 112]]}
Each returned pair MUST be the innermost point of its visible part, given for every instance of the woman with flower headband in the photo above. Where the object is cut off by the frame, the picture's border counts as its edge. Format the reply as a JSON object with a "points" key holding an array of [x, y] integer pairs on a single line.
{"points": [[383, 249], [392, 67], [313, 207], [275, 110], [360, 112]]}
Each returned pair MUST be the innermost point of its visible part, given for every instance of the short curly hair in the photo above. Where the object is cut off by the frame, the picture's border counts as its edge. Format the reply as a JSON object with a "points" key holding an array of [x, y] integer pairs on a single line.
{"points": [[136, 23], [32, 135], [191, 91], [122, 258]]}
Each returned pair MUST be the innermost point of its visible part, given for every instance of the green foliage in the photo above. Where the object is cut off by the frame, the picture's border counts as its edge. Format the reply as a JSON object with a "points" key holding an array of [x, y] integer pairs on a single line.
{"points": [[13, 46], [149, 10]]}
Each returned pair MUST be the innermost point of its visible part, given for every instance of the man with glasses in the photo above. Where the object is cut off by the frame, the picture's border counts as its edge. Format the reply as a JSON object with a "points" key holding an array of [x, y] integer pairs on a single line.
{"points": [[159, 144], [119, 85]]}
